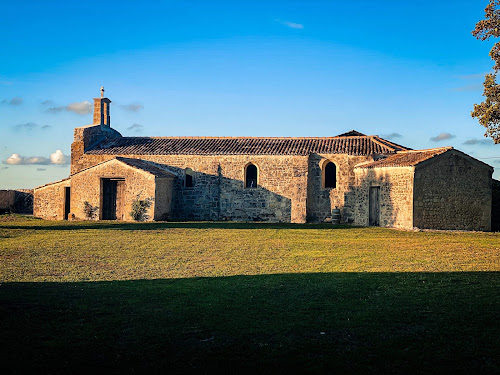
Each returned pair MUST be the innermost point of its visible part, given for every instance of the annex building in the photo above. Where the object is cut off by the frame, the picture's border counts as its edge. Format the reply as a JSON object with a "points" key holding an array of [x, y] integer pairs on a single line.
{"points": [[372, 181]]}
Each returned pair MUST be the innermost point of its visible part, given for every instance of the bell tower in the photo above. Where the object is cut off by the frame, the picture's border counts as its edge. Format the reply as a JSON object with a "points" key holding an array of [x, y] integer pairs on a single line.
{"points": [[86, 137], [101, 110]]}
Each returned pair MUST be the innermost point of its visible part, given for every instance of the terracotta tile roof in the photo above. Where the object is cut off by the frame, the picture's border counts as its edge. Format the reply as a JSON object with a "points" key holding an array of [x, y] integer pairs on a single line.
{"points": [[352, 145], [51, 183], [146, 166], [406, 158]]}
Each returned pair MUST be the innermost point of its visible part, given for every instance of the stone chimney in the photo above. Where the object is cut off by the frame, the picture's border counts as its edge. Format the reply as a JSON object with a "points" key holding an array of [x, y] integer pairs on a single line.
{"points": [[101, 110]]}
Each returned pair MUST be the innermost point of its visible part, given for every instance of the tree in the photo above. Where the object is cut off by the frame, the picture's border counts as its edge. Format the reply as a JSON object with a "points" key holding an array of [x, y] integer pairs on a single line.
{"points": [[488, 112]]}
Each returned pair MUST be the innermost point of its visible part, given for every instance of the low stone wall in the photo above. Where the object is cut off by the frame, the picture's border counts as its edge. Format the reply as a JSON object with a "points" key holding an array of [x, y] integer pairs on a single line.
{"points": [[16, 201], [7, 199]]}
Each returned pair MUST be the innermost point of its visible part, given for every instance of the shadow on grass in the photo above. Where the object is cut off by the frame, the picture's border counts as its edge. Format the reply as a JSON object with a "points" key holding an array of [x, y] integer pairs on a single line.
{"points": [[320, 323], [64, 225]]}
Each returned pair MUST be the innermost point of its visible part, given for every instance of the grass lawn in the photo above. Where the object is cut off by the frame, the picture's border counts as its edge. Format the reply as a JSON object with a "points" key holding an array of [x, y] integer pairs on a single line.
{"points": [[244, 297]]}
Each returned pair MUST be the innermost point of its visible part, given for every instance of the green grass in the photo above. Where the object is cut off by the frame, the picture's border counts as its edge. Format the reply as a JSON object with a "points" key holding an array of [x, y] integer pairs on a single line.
{"points": [[243, 297]]}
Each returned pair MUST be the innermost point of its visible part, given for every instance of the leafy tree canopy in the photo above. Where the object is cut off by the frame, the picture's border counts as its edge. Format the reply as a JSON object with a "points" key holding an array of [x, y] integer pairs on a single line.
{"points": [[488, 112]]}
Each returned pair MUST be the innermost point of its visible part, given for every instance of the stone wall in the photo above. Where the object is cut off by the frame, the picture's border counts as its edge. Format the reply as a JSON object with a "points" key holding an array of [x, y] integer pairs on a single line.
{"points": [[7, 200], [18, 201], [320, 200], [163, 198], [219, 192], [49, 200], [86, 186], [495, 207], [396, 192], [453, 191], [85, 137]]}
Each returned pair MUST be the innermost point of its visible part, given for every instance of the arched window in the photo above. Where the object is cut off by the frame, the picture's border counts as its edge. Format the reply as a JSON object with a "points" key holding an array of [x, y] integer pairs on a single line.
{"points": [[189, 180], [251, 176], [330, 175]]}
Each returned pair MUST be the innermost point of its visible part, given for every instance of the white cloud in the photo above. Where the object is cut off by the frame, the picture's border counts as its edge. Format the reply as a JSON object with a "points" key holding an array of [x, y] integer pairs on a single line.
{"points": [[14, 159], [82, 108], [391, 135], [26, 126], [475, 141], [59, 158], [291, 25], [14, 101], [473, 76], [55, 158], [471, 87], [29, 126], [41, 160], [442, 137], [134, 107], [136, 128]]}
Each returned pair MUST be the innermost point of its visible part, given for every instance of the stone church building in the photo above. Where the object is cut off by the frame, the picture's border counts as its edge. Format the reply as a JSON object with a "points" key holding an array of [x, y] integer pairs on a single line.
{"points": [[372, 181]]}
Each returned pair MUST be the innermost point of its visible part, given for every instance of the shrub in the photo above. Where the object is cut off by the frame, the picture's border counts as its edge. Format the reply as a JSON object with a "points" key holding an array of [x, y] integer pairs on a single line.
{"points": [[90, 211], [140, 207]]}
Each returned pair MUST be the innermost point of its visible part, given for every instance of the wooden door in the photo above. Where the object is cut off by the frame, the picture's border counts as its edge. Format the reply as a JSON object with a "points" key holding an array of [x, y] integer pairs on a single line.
{"points": [[374, 206], [108, 199], [67, 200]]}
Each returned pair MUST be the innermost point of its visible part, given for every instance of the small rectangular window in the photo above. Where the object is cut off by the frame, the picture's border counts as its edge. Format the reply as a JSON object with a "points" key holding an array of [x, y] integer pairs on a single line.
{"points": [[189, 180]]}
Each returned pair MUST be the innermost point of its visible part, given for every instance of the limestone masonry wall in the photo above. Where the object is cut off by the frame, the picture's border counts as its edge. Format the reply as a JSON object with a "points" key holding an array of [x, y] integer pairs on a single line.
{"points": [[84, 137], [86, 186], [396, 191], [163, 198], [219, 192], [320, 200], [49, 201], [453, 192]]}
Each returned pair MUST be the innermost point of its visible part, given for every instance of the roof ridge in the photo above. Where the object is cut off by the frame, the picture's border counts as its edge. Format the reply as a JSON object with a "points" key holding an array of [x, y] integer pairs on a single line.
{"points": [[379, 140], [355, 145], [427, 149], [245, 137], [393, 143], [407, 158]]}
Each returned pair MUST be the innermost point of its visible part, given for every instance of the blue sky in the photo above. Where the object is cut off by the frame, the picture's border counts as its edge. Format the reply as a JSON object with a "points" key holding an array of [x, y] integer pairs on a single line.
{"points": [[409, 71]]}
